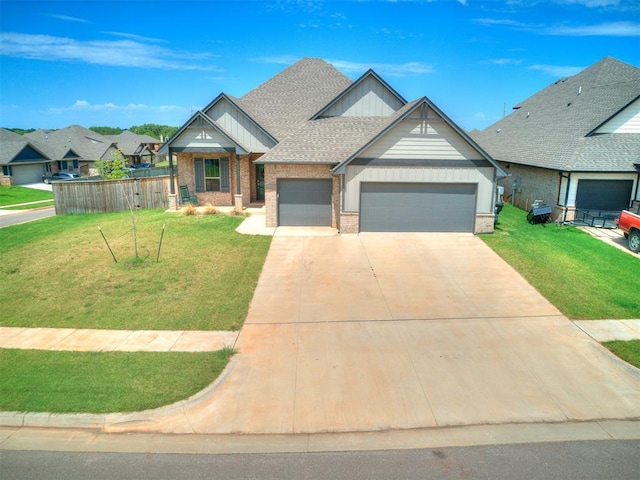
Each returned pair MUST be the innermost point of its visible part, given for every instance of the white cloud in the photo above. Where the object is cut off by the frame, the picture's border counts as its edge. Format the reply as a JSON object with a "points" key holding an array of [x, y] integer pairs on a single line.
{"points": [[278, 59], [356, 68], [116, 53], [590, 3], [85, 106], [557, 71], [67, 18], [390, 69], [503, 61], [605, 29], [610, 29]]}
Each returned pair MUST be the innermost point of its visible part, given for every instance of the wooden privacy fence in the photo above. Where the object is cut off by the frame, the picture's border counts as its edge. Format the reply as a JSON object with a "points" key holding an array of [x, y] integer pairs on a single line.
{"points": [[96, 196]]}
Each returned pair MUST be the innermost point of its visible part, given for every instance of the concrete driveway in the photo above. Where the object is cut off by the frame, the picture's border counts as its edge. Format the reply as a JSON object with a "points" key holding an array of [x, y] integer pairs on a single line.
{"points": [[365, 333]]}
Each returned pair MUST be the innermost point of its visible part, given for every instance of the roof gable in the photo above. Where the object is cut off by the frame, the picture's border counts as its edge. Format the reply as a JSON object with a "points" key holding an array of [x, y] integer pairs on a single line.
{"points": [[369, 96], [625, 121], [226, 112], [201, 133], [422, 110], [17, 148]]}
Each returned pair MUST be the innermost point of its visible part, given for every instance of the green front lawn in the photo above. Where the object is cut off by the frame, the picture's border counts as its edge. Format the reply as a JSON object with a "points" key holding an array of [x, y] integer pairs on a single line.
{"points": [[204, 280], [582, 276], [87, 382], [13, 195]]}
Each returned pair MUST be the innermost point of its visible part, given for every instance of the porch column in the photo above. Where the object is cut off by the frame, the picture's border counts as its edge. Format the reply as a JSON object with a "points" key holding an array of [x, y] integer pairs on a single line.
{"points": [[173, 198], [237, 198]]}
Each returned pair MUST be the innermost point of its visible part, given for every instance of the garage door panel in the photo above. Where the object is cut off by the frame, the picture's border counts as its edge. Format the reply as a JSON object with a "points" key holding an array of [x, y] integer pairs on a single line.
{"points": [[304, 202], [605, 195], [417, 207], [24, 174]]}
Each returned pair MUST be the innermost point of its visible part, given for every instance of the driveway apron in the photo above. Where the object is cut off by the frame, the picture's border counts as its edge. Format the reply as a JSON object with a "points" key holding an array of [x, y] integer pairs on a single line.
{"points": [[377, 332]]}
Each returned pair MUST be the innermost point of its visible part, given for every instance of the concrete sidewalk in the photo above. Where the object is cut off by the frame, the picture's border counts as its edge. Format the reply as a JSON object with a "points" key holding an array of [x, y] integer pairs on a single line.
{"points": [[87, 340], [115, 340]]}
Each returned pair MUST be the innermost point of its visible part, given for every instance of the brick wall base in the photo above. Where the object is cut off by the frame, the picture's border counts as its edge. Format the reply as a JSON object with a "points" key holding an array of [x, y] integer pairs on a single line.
{"points": [[484, 223]]}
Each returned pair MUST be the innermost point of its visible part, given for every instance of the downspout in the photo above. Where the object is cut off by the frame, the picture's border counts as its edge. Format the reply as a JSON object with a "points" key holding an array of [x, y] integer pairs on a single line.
{"points": [[566, 198], [636, 199]]}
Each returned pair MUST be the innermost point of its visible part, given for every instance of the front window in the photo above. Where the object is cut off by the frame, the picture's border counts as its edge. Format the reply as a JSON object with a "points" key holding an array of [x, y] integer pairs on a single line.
{"points": [[6, 170], [211, 174]]}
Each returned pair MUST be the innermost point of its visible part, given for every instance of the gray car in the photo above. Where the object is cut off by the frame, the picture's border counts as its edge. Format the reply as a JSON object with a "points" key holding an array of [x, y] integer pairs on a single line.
{"points": [[60, 176]]}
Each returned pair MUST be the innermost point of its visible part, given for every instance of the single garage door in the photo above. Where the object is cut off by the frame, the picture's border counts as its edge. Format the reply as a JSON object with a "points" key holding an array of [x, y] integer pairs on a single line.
{"points": [[417, 207], [304, 202], [605, 195], [24, 174]]}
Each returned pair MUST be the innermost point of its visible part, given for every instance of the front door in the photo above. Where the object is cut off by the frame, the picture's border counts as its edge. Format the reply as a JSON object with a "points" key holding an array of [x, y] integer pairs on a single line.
{"points": [[260, 183]]}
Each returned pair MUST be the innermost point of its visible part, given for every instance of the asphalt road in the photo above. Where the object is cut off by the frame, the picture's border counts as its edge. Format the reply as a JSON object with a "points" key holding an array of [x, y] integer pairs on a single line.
{"points": [[26, 216], [566, 460]]}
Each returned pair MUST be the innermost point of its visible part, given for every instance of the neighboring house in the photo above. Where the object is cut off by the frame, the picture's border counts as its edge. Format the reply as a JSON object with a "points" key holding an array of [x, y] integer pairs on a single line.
{"points": [[574, 145], [136, 148], [23, 160], [74, 148], [321, 149]]}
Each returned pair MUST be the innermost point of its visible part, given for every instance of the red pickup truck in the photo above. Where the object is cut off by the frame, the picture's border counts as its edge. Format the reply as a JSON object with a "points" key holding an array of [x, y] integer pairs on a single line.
{"points": [[629, 223]]}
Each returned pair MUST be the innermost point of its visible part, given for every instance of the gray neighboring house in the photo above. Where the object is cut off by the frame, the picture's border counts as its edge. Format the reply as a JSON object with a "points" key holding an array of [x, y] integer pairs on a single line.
{"points": [[136, 148], [23, 160], [321, 149], [575, 144], [74, 148]]}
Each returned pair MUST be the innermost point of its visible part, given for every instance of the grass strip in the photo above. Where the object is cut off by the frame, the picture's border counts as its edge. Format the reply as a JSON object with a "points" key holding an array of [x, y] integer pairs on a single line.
{"points": [[89, 382], [582, 276], [14, 194], [31, 206], [629, 351]]}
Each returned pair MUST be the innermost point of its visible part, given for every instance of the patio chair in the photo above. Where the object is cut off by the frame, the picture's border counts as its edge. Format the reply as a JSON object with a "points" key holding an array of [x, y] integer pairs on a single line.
{"points": [[185, 197]]}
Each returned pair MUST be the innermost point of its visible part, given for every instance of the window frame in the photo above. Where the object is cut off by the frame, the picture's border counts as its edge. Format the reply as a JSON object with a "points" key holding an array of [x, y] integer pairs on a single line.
{"points": [[212, 183]]}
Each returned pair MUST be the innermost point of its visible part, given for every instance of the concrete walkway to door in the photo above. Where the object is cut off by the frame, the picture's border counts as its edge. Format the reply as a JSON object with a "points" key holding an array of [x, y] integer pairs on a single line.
{"points": [[376, 333]]}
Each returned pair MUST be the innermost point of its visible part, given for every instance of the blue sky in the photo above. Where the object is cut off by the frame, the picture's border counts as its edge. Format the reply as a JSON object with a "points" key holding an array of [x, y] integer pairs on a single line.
{"points": [[124, 63]]}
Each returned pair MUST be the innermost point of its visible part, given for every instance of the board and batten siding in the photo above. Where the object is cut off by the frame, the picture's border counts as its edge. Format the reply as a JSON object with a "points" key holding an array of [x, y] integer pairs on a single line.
{"points": [[202, 137], [367, 99], [428, 139], [627, 121], [356, 174], [236, 123]]}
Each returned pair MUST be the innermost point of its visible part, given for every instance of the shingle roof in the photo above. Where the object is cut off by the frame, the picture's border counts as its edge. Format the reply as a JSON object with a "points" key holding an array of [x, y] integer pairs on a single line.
{"points": [[86, 144], [131, 143], [13, 144], [551, 128], [289, 99]]}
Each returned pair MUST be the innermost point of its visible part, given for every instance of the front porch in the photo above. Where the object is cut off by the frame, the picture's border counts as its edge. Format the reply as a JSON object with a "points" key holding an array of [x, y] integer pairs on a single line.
{"points": [[220, 179]]}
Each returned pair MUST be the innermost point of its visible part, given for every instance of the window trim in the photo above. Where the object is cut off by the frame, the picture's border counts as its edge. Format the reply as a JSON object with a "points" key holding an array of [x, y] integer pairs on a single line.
{"points": [[223, 178]]}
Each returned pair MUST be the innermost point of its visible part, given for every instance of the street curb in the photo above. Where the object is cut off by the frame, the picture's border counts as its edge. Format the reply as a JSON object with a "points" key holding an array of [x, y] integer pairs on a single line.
{"points": [[74, 440]]}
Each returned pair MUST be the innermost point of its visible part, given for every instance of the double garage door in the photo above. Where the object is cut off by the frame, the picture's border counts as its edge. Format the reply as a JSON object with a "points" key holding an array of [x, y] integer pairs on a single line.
{"points": [[417, 207], [384, 207]]}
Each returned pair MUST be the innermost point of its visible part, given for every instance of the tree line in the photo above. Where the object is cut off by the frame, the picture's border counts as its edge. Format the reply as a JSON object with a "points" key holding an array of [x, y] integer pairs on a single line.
{"points": [[151, 129]]}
